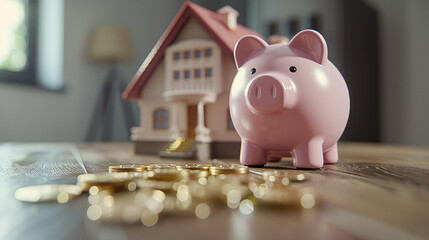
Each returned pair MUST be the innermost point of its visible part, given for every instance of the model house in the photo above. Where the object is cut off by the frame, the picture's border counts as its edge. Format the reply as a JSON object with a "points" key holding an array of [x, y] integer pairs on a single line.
{"points": [[182, 87]]}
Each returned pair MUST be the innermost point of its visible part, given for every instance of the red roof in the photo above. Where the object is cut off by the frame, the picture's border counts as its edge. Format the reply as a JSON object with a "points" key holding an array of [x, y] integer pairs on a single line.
{"points": [[210, 21]]}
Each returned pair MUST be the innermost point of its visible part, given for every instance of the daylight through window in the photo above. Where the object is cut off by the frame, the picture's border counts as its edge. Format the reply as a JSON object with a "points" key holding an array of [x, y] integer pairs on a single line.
{"points": [[13, 35]]}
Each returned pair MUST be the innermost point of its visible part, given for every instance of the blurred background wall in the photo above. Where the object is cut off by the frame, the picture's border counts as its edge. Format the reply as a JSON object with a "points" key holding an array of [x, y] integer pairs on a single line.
{"points": [[34, 114]]}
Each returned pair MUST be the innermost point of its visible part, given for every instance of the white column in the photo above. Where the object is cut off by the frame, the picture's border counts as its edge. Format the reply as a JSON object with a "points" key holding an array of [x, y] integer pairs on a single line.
{"points": [[202, 133], [200, 123], [174, 128]]}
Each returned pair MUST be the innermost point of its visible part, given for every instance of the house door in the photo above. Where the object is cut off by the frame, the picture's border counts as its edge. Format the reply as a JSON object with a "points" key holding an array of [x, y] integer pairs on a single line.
{"points": [[192, 120]]}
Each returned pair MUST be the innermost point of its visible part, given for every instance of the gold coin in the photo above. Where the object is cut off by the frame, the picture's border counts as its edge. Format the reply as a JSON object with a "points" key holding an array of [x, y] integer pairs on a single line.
{"points": [[200, 167], [127, 168], [297, 177], [160, 166], [47, 193], [195, 174], [190, 175], [112, 181], [278, 175], [240, 168], [221, 169], [154, 184], [164, 174]]}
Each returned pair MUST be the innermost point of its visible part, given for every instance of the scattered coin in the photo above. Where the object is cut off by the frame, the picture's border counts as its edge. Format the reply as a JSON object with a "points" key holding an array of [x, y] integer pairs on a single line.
{"points": [[160, 166], [127, 168], [235, 169], [297, 177], [164, 174], [133, 193], [48, 193], [279, 175], [195, 174], [154, 184], [199, 167], [112, 181]]}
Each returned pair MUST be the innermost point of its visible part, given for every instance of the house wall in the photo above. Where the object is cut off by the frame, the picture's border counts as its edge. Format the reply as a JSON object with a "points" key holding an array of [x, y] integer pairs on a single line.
{"points": [[154, 88], [217, 118], [146, 130], [229, 70], [192, 29]]}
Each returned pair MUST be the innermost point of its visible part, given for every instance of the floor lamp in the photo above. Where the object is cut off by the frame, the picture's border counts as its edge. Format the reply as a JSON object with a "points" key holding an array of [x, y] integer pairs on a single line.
{"points": [[110, 44]]}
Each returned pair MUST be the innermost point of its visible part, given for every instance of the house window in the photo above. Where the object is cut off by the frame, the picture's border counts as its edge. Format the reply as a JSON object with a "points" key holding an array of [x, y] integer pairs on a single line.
{"points": [[208, 52], [160, 119], [176, 56], [230, 125], [187, 55], [208, 73], [187, 74], [17, 45], [197, 73], [197, 53], [176, 75]]}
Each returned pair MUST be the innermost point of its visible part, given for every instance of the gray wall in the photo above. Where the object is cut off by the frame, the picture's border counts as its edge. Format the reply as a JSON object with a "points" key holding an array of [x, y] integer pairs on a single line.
{"points": [[404, 70]]}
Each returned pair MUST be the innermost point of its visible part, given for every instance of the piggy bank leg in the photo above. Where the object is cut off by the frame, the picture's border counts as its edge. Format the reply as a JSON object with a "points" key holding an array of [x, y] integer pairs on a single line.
{"points": [[309, 155], [331, 155], [252, 155]]}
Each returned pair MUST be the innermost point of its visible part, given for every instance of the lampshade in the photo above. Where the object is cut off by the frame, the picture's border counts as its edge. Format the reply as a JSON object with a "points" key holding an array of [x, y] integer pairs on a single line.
{"points": [[110, 43]]}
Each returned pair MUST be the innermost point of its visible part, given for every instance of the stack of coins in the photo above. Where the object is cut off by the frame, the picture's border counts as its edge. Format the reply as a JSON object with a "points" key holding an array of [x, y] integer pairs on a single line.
{"points": [[233, 169], [197, 167], [133, 193], [110, 181], [127, 168]]}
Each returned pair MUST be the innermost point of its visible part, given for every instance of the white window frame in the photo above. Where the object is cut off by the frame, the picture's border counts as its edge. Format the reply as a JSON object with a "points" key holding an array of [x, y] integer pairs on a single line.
{"points": [[193, 84]]}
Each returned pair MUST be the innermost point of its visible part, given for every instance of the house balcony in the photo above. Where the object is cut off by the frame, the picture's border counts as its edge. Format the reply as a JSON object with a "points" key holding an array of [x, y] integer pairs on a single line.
{"points": [[201, 89]]}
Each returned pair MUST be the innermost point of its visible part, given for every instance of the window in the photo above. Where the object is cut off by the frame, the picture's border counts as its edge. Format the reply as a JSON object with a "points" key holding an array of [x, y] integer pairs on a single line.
{"points": [[208, 72], [160, 119], [176, 75], [187, 74], [17, 40], [197, 73], [230, 125], [187, 55], [176, 56], [197, 53], [208, 52]]}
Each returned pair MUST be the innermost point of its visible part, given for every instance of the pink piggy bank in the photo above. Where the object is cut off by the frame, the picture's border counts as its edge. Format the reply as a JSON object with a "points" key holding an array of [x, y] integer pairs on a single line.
{"points": [[288, 100]]}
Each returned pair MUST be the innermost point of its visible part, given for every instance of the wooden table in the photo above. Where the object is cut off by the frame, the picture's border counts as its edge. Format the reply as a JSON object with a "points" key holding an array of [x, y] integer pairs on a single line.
{"points": [[374, 192]]}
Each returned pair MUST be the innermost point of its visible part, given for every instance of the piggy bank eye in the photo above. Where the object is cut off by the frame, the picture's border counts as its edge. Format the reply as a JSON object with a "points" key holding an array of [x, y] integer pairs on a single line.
{"points": [[252, 71], [292, 69]]}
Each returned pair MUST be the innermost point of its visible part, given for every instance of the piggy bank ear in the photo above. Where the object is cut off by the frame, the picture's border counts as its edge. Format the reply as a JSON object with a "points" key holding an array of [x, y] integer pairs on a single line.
{"points": [[245, 47], [312, 42]]}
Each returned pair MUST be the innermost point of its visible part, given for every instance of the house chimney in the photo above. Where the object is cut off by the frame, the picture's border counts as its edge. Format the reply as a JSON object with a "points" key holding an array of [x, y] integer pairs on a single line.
{"points": [[229, 17]]}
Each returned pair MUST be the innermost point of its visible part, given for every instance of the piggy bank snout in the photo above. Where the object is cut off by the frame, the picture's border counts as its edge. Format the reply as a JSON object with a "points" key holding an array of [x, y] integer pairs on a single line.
{"points": [[265, 94]]}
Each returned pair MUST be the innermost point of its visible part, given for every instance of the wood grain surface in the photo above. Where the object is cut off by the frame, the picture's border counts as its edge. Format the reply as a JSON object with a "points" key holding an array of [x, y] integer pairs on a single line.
{"points": [[374, 192]]}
